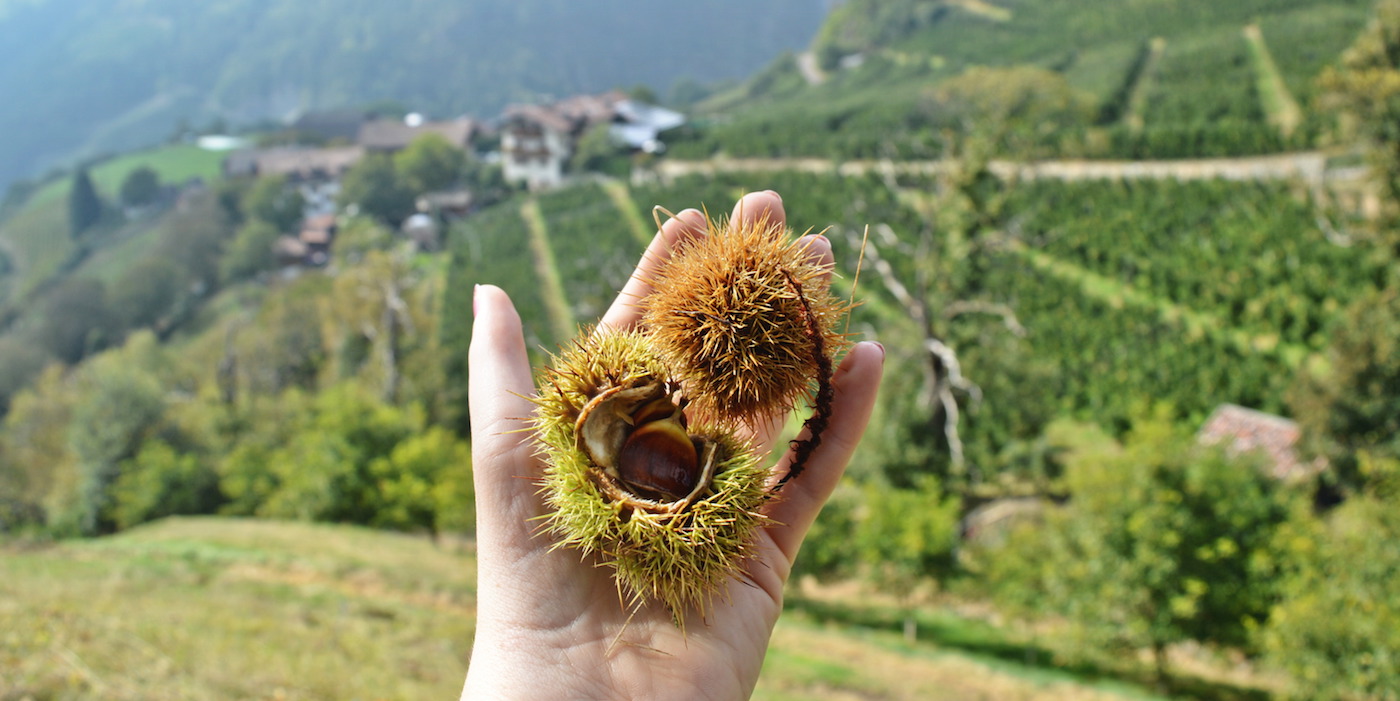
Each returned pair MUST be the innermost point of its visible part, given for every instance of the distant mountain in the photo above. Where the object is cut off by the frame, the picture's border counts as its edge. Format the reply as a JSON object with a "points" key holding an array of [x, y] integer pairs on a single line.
{"points": [[85, 76]]}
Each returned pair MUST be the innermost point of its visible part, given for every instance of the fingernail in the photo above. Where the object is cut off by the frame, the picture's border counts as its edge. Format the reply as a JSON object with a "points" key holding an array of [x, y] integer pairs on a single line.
{"points": [[881, 346], [775, 194], [475, 290]]}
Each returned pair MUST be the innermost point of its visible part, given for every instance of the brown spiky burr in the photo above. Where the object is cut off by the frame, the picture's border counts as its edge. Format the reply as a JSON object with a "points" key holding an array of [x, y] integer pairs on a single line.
{"points": [[745, 318]]}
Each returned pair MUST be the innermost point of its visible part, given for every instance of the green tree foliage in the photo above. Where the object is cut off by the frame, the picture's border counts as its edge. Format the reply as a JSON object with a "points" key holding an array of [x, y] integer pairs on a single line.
{"points": [[1349, 404], [276, 201], [145, 293], [425, 484], [1337, 626], [828, 551], [84, 206], [324, 471], [118, 406], [1367, 86], [375, 188], [193, 240], [250, 252], [282, 346], [1162, 541], [429, 163], [140, 187], [358, 238], [861, 25], [596, 152], [21, 360], [35, 459], [1017, 112], [75, 319], [906, 537], [378, 326], [161, 481]]}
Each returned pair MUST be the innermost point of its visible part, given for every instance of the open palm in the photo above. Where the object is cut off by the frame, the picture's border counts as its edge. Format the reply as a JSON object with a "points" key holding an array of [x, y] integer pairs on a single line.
{"points": [[550, 622]]}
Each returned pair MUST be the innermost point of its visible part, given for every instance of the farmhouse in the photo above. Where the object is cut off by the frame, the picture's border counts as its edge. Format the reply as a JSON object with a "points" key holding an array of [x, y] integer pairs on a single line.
{"points": [[1245, 430], [390, 135], [297, 164], [537, 140]]}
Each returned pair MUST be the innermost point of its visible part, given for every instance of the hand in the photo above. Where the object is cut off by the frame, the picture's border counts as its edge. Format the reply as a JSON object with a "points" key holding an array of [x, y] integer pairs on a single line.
{"points": [[550, 623]]}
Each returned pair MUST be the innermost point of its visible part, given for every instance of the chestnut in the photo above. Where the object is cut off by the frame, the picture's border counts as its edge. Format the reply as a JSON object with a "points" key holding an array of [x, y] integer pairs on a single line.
{"points": [[660, 458]]}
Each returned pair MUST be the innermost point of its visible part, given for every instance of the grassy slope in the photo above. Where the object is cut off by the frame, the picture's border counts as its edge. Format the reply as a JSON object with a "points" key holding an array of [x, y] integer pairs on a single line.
{"points": [[209, 608], [212, 608], [37, 235]]}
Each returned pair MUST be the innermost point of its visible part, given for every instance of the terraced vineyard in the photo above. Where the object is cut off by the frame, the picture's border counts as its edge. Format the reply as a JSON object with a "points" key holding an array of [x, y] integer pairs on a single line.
{"points": [[1200, 92], [1193, 293]]}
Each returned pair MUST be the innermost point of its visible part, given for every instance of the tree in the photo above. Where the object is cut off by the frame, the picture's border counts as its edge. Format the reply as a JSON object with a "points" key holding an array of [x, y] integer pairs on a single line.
{"points": [[75, 319], [1367, 87], [35, 459], [324, 471], [193, 240], [250, 252], [906, 538], [1162, 541], [140, 187], [429, 163], [84, 206], [373, 186], [275, 201], [21, 360], [1337, 625], [1021, 111], [425, 484], [145, 293], [1349, 403], [118, 406], [160, 481]]}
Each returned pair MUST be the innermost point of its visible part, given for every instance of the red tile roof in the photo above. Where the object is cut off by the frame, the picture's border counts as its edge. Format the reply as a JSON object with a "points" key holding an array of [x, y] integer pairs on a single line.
{"points": [[1249, 430]]}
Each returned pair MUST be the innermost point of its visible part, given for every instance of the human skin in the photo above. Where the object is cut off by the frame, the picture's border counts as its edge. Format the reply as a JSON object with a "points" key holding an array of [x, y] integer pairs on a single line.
{"points": [[550, 622]]}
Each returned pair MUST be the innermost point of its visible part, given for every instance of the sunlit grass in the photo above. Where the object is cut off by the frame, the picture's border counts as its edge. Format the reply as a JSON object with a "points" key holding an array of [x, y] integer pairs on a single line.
{"points": [[216, 608]]}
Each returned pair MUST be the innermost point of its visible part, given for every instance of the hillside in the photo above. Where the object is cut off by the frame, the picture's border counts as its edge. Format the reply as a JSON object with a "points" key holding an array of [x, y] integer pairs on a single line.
{"points": [[1157, 78], [1037, 504], [81, 78], [304, 611]]}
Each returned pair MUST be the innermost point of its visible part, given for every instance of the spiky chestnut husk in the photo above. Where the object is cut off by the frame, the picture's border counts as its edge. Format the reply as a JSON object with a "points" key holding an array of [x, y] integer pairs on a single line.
{"points": [[679, 553], [746, 320]]}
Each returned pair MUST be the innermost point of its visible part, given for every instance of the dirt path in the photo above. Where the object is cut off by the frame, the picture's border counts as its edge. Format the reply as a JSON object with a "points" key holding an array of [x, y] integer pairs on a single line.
{"points": [[1284, 112], [556, 305], [622, 199], [811, 70], [1308, 166], [1137, 97]]}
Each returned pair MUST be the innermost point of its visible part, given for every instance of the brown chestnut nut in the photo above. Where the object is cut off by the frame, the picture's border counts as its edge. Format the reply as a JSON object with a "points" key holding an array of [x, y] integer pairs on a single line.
{"points": [[659, 457]]}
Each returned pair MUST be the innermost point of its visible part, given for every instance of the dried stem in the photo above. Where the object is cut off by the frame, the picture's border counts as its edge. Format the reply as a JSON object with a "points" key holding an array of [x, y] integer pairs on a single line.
{"points": [[815, 424]]}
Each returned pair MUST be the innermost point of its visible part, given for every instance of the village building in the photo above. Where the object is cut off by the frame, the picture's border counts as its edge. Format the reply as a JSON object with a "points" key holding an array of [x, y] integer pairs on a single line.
{"points": [[389, 135], [330, 125], [538, 140], [1275, 438], [296, 163], [317, 235], [536, 143]]}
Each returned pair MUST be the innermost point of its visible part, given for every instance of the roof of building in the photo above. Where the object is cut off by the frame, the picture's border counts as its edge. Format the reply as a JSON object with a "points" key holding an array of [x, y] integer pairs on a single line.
{"points": [[300, 162], [319, 229], [1250, 430], [331, 124], [394, 134]]}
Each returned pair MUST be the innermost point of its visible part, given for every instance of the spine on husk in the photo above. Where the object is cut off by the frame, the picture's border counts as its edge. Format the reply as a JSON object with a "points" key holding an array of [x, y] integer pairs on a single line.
{"points": [[640, 429]]}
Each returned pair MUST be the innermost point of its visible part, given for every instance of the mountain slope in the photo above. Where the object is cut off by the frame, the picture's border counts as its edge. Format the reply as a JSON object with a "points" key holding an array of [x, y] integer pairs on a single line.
{"points": [[85, 76], [1165, 78]]}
